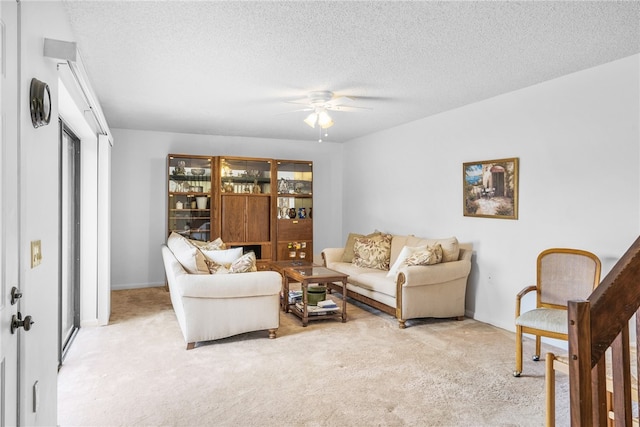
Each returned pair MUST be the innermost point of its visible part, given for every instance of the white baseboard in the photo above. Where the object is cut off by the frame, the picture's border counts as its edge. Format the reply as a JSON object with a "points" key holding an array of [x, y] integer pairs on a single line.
{"points": [[123, 286]]}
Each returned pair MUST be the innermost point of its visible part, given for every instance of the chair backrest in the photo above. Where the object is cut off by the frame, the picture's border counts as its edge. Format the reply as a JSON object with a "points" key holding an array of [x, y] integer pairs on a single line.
{"points": [[566, 274]]}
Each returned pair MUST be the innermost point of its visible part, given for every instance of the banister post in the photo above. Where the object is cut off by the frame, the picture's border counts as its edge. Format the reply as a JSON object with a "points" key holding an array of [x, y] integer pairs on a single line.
{"points": [[579, 321]]}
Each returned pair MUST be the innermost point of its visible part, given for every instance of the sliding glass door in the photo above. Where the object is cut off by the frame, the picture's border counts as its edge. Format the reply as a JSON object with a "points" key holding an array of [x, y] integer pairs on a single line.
{"points": [[69, 304]]}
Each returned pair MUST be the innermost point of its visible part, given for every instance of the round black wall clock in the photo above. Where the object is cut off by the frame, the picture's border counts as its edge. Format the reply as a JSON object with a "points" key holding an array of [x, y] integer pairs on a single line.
{"points": [[40, 101]]}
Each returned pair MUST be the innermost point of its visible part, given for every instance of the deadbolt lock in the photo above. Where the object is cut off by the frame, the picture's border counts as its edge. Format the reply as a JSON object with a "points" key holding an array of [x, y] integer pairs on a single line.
{"points": [[15, 295], [17, 322]]}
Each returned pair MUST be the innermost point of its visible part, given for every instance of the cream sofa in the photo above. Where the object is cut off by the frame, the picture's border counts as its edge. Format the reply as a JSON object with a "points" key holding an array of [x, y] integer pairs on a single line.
{"points": [[214, 306], [412, 292]]}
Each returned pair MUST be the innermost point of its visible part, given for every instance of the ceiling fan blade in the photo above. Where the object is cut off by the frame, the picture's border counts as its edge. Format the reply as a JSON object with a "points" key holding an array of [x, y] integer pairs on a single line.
{"points": [[296, 111], [338, 101], [349, 108]]}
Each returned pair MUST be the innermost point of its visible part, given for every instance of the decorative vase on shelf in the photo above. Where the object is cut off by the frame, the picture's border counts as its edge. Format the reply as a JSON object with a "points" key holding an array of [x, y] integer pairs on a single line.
{"points": [[292, 213], [302, 213], [201, 202], [310, 212]]}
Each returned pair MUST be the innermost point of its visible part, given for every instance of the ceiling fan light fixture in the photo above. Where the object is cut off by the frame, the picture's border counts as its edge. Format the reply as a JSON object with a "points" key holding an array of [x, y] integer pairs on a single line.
{"points": [[311, 120], [324, 120]]}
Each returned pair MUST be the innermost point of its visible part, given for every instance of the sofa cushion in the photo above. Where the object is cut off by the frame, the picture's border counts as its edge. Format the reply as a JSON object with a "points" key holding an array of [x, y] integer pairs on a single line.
{"points": [[245, 264], [376, 281], [428, 256], [373, 252], [223, 256], [405, 253], [450, 246], [191, 258], [347, 255]]}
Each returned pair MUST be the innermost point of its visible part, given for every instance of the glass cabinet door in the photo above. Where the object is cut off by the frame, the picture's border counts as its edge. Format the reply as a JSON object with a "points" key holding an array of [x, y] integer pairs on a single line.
{"points": [[245, 176], [295, 190], [189, 196], [294, 210]]}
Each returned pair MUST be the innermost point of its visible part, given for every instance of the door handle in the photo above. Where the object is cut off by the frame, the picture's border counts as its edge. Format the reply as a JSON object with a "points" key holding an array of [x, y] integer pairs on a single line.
{"points": [[15, 295], [17, 322]]}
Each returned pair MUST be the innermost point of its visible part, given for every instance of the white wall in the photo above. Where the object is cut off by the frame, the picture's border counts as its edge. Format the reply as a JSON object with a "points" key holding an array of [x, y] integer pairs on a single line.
{"points": [[139, 185], [578, 145]]}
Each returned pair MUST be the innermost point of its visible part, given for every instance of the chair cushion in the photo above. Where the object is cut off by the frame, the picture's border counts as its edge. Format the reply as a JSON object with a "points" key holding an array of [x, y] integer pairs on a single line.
{"points": [[546, 319]]}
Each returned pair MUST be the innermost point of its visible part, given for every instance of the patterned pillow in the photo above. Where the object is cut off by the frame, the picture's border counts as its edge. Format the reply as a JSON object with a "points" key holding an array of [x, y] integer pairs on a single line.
{"points": [[215, 268], [373, 252], [347, 256], [245, 264], [214, 245], [431, 255]]}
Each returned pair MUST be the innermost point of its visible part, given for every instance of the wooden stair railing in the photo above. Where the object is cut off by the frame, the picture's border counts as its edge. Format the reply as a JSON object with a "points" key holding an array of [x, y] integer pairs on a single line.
{"points": [[600, 322]]}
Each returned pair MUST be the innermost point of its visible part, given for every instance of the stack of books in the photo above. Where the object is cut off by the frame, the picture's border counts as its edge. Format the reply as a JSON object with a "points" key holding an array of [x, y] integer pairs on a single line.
{"points": [[295, 296], [323, 307], [328, 304]]}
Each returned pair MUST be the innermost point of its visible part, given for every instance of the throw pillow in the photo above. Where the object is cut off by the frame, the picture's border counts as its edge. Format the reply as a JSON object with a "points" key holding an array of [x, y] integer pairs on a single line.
{"points": [[223, 256], [450, 248], [215, 268], [429, 256], [372, 252], [245, 264], [405, 253], [347, 256], [191, 258], [214, 245]]}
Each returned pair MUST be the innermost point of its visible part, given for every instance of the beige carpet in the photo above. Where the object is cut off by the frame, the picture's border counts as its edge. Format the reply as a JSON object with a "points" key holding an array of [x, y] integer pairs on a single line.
{"points": [[366, 372]]}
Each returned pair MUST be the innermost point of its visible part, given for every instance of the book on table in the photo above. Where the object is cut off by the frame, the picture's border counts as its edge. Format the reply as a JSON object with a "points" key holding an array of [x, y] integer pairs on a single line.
{"points": [[295, 296], [329, 304], [315, 310]]}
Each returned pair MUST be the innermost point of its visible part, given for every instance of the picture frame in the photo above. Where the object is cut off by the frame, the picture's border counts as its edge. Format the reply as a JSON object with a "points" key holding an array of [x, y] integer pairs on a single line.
{"points": [[490, 188]]}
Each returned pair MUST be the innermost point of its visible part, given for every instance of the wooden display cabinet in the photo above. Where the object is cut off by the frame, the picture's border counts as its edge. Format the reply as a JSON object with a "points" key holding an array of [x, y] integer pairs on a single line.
{"points": [[246, 204], [294, 210], [189, 196], [263, 205]]}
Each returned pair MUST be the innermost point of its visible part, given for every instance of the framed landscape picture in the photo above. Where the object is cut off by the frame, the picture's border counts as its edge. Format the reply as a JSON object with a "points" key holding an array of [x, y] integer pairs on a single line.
{"points": [[490, 188]]}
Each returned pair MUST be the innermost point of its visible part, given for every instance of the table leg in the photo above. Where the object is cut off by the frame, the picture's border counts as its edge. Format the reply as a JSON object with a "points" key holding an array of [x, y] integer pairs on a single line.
{"points": [[305, 302], [285, 298], [344, 300]]}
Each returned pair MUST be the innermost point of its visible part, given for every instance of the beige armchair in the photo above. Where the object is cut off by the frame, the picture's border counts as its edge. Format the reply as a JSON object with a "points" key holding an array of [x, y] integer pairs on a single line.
{"points": [[562, 275], [214, 306]]}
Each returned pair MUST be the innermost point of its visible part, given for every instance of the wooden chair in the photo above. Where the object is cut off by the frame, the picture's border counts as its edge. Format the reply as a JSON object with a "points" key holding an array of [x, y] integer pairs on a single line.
{"points": [[562, 275]]}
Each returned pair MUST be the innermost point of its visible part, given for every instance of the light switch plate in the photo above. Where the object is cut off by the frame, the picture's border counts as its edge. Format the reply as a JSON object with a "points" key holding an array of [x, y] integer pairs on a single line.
{"points": [[36, 253]]}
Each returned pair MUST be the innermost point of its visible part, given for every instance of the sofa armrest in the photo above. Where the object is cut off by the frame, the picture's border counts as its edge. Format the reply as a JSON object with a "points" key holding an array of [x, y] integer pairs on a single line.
{"points": [[258, 283], [420, 275], [331, 255]]}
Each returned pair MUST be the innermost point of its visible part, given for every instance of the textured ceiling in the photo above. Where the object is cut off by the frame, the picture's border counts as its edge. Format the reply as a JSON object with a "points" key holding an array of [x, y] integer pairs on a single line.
{"points": [[228, 68]]}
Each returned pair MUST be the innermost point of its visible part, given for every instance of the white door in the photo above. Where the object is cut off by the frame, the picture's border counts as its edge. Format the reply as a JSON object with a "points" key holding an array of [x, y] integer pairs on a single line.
{"points": [[9, 249]]}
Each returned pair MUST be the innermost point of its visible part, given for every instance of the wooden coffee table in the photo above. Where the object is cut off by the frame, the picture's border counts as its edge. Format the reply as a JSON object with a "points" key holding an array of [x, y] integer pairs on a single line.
{"points": [[279, 267], [307, 275]]}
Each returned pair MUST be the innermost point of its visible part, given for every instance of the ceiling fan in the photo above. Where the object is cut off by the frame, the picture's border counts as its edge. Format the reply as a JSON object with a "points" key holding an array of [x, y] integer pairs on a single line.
{"points": [[319, 103]]}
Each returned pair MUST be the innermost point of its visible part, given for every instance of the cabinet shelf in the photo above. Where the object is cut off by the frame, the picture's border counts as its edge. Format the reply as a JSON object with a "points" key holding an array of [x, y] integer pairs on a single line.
{"points": [[187, 194], [199, 178]]}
